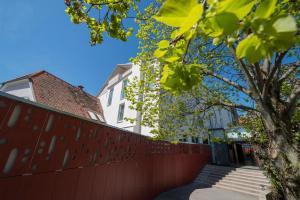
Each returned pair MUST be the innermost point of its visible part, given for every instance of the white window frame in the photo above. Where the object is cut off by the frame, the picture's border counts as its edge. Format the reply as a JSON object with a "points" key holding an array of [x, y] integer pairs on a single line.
{"points": [[124, 85], [119, 112], [110, 96], [92, 116]]}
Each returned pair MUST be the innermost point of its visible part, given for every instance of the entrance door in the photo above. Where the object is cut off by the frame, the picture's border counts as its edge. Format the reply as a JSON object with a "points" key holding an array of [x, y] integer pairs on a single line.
{"points": [[221, 154], [240, 154]]}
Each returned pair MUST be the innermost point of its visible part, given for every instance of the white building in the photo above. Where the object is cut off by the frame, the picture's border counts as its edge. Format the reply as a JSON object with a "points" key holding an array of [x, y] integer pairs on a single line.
{"points": [[116, 107]]}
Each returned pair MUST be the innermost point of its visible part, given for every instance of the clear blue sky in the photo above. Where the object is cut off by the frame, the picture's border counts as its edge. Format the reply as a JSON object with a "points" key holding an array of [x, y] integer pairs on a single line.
{"points": [[38, 35]]}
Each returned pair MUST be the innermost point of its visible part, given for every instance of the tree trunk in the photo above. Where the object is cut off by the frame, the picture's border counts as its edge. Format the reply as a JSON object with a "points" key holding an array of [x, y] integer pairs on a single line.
{"points": [[280, 156]]}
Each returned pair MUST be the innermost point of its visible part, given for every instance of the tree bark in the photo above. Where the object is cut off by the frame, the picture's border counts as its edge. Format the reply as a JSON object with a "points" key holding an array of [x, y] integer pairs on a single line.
{"points": [[280, 156]]}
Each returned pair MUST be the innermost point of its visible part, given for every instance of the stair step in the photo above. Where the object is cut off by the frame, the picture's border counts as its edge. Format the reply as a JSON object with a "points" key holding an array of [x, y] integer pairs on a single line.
{"points": [[233, 169], [234, 177], [234, 172], [248, 180], [243, 188], [237, 182], [260, 179], [247, 177], [225, 168], [237, 190], [249, 185]]}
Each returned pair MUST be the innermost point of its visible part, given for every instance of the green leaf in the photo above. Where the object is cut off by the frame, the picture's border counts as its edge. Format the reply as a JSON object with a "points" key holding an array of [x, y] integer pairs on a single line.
{"points": [[163, 44], [160, 53], [279, 31], [75, 19], [192, 19], [253, 48], [216, 41], [224, 23], [240, 8], [265, 9], [180, 13], [179, 77], [285, 24], [172, 59]]}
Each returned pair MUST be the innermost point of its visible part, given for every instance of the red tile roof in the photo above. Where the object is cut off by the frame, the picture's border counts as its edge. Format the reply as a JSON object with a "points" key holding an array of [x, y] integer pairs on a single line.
{"points": [[57, 93]]}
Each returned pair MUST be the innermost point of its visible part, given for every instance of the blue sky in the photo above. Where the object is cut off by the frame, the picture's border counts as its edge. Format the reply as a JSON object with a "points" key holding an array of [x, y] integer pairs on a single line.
{"points": [[38, 35]]}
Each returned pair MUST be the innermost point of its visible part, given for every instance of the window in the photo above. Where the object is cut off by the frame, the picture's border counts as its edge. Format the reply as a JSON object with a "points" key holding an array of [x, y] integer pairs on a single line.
{"points": [[111, 92], [121, 112], [95, 116], [123, 89], [195, 140], [100, 118], [92, 115]]}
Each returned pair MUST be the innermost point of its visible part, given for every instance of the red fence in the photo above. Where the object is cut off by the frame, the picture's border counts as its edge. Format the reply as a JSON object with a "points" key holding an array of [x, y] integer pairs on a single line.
{"points": [[46, 154]]}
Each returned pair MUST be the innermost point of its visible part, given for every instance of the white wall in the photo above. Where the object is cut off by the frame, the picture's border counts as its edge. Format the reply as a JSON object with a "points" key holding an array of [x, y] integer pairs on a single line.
{"points": [[111, 112], [21, 88], [219, 119]]}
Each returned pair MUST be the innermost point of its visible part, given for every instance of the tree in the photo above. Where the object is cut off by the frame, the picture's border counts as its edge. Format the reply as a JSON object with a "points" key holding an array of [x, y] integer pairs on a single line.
{"points": [[252, 47]]}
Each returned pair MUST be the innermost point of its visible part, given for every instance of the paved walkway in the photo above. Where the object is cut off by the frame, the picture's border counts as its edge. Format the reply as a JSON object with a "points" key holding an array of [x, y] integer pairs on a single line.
{"points": [[199, 192]]}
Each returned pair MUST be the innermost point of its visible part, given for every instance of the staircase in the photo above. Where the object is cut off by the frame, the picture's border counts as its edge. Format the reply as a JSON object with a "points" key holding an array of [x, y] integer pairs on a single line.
{"points": [[248, 179]]}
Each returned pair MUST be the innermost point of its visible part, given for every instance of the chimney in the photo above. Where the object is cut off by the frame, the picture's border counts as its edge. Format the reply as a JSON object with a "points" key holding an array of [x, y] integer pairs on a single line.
{"points": [[80, 87]]}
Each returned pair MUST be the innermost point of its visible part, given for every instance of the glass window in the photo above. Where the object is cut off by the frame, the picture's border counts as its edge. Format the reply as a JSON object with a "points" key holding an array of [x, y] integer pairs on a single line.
{"points": [[96, 116], [111, 92], [100, 117], [123, 89], [92, 115], [121, 112]]}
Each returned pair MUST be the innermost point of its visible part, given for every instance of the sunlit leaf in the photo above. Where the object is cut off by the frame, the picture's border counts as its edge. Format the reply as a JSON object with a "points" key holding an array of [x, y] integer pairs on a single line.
{"points": [[179, 77], [160, 53], [285, 24], [253, 48], [172, 59], [180, 13], [221, 24], [278, 31], [163, 44], [240, 8], [265, 9]]}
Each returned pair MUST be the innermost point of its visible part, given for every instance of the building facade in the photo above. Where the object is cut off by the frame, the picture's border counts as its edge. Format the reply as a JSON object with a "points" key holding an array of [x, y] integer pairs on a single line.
{"points": [[49, 90], [116, 108]]}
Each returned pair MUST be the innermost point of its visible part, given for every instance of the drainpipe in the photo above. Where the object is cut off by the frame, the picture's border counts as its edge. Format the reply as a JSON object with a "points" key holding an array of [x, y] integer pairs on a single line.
{"points": [[212, 149], [236, 154]]}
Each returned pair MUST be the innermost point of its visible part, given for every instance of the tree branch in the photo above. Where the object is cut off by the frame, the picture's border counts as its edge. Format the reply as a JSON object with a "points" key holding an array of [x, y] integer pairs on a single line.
{"points": [[223, 104], [259, 75], [106, 3], [293, 98], [186, 51], [229, 82], [248, 75], [293, 68], [271, 74], [237, 106]]}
